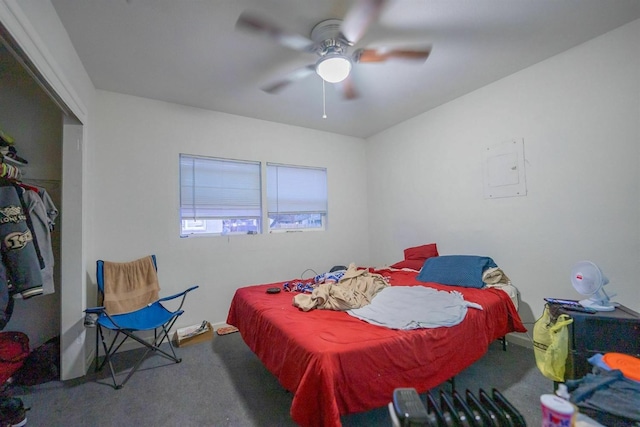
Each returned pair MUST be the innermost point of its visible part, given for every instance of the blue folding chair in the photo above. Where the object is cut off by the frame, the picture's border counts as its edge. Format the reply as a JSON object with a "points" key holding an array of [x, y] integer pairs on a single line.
{"points": [[153, 316]]}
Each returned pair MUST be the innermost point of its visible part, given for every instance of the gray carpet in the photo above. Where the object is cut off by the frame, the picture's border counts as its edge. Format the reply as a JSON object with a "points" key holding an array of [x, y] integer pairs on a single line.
{"points": [[222, 383]]}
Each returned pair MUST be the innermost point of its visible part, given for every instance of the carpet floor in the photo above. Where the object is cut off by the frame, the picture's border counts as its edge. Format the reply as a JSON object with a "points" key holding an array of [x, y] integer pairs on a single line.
{"points": [[222, 383]]}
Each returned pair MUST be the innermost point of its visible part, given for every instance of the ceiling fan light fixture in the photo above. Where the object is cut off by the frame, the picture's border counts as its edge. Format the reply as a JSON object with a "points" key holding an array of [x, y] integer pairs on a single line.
{"points": [[333, 68]]}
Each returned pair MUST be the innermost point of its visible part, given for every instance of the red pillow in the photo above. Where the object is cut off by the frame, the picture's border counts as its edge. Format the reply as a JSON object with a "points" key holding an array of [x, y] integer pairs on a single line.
{"points": [[421, 252], [414, 264]]}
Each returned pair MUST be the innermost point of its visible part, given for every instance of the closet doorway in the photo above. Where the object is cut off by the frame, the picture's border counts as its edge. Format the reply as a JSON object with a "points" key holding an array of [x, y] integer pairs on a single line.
{"points": [[29, 116], [49, 136]]}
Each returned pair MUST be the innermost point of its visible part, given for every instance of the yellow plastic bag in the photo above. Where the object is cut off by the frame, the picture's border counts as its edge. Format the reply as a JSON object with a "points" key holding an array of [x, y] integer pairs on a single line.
{"points": [[551, 344]]}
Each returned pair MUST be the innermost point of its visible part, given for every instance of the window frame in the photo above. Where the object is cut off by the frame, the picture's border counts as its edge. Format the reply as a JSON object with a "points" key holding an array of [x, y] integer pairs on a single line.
{"points": [[208, 192], [324, 212]]}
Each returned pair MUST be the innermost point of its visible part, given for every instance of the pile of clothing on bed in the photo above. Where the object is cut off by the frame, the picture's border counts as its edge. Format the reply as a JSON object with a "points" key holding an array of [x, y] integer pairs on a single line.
{"points": [[353, 288], [369, 297], [309, 285]]}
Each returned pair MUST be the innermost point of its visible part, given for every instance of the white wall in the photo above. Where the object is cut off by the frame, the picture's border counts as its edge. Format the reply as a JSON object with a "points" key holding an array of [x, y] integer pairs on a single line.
{"points": [[135, 194], [579, 115]]}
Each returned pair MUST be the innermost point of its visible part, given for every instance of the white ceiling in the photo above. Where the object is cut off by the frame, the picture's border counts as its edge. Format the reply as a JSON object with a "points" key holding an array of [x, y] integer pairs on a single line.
{"points": [[189, 52]]}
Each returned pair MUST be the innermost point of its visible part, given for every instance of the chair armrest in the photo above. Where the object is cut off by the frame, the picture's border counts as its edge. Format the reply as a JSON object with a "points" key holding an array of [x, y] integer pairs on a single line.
{"points": [[97, 310], [183, 293], [101, 311]]}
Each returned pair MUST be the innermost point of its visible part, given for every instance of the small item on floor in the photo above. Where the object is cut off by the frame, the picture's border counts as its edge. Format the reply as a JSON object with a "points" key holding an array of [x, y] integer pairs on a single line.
{"points": [[12, 412], [194, 334], [225, 330], [273, 290]]}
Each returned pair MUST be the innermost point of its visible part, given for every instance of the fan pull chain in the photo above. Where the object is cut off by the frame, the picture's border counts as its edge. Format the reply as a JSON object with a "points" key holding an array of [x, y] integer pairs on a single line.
{"points": [[324, 105]]}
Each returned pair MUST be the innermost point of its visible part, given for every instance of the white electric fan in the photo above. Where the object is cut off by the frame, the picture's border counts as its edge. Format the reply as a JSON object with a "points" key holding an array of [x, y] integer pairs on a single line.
{"points": [[588, 279]]}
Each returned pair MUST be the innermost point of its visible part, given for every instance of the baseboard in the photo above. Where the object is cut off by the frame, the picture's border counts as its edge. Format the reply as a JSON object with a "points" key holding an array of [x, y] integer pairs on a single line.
{"points": [[522, 340]]}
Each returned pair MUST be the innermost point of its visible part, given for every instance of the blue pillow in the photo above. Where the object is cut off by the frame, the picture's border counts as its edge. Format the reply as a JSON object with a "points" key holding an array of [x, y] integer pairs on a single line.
{"points": [[458, 270]]}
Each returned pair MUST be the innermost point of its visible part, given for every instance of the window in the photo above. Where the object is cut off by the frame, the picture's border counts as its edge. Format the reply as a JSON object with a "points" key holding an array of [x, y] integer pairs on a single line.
{"points": [[219, 196], [296, 198]]}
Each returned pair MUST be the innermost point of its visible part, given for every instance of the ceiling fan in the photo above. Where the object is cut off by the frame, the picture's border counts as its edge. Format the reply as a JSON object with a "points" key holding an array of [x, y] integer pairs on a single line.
{"points": [[333, 41]]}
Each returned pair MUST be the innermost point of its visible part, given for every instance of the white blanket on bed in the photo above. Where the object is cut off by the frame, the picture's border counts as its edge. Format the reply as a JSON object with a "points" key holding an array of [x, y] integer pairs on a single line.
{"points": [[413, 307]]}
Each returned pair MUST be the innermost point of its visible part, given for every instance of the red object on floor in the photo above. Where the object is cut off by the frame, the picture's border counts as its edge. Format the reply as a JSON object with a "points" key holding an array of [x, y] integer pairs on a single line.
{"points": [[14, 349]]}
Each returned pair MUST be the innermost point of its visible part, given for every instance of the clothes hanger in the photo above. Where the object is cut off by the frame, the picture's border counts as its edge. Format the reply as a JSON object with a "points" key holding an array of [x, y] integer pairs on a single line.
{"points": [[9, 171], [27, 186]]}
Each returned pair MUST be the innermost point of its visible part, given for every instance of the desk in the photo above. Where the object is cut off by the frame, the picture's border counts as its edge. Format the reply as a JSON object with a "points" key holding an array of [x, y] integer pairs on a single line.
{"points": [[603, 332]]}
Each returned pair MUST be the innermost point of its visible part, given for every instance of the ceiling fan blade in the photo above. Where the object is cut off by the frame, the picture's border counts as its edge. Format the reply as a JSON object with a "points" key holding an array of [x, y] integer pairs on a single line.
{"points": [[292, 77], [348, 88], [252, 22], [381, 55], [359, 17]]}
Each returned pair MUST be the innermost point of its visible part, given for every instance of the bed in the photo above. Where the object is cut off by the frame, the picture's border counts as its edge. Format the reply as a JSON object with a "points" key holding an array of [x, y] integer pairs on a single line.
{"points": [[336, 364]]}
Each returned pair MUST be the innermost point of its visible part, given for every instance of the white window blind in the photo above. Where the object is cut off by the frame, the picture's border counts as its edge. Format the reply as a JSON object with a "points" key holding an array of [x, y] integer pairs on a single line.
{"points": [[212, 188], [296, 190]]}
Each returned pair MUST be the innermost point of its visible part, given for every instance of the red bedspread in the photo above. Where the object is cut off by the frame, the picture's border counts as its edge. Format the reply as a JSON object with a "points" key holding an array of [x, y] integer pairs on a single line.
{"points": [[336, 364]]}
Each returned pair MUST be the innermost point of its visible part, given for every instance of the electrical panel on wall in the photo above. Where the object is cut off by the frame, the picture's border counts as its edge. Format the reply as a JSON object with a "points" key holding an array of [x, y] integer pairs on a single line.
{"points": [[504, 173]]}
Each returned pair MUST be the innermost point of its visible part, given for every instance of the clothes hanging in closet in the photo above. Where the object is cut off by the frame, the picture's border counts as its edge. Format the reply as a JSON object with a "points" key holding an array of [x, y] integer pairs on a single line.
{"points": [[40, 220], [50, 207], [21, 260]]}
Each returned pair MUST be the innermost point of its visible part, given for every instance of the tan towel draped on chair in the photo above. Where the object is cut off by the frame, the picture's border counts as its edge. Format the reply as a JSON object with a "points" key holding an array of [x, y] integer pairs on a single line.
{"points": [[129, 286]]}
